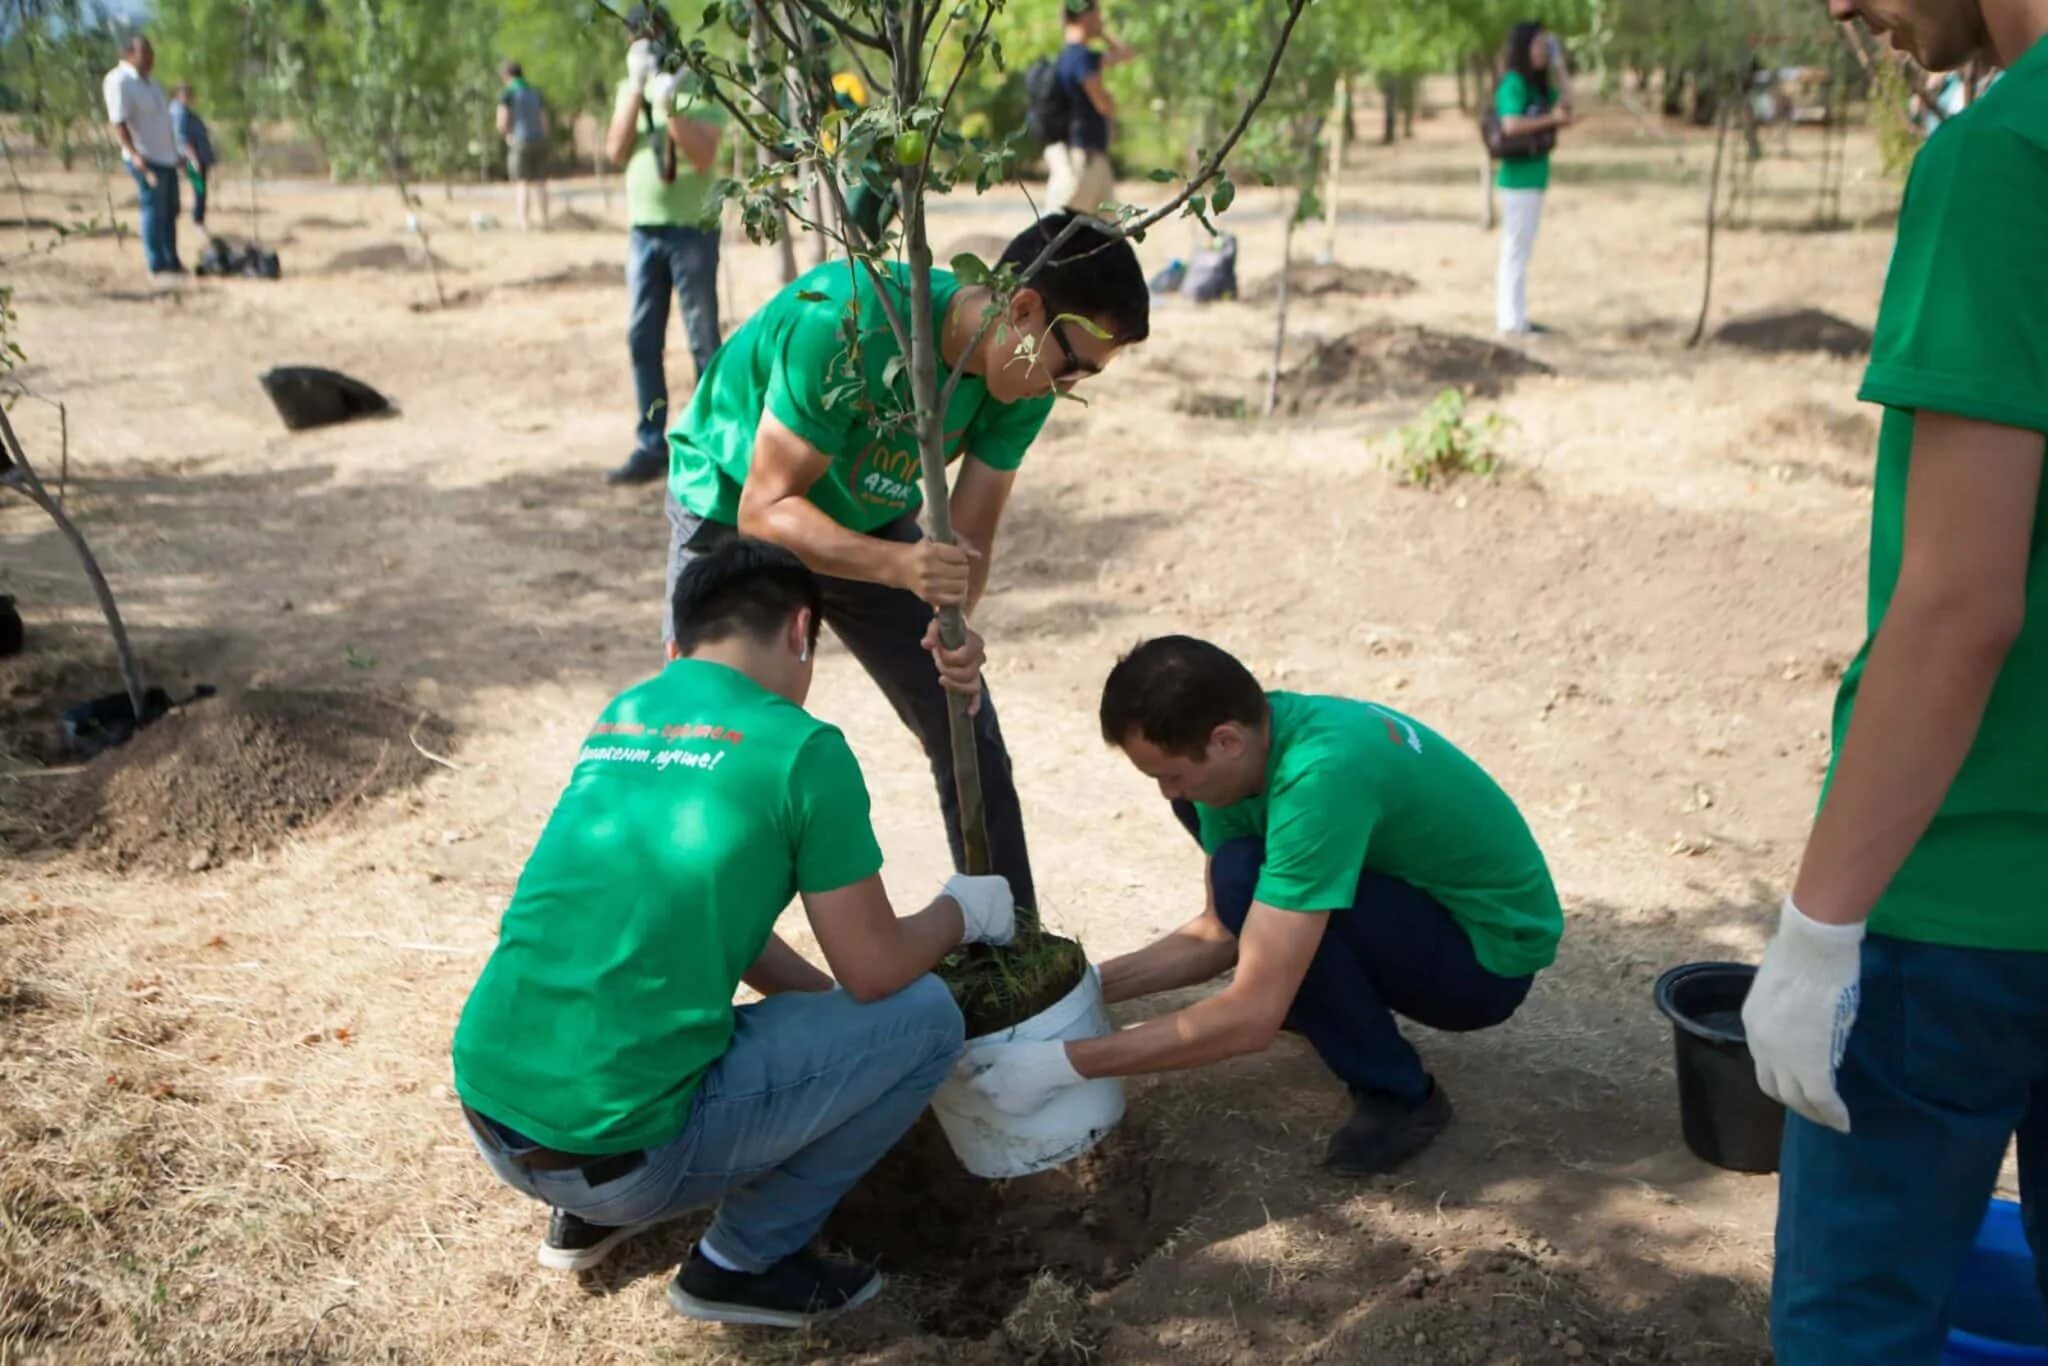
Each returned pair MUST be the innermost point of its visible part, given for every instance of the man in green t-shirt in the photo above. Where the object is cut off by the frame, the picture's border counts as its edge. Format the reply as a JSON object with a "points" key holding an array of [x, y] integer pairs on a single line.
{"points": [[1359, 867], [668, 144], [1902, 1008], [600, 1060], [797, 434]]}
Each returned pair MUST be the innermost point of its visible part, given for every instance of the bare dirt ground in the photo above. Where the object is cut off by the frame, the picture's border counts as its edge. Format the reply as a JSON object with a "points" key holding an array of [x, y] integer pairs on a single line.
{"points": [[225, 1126]]}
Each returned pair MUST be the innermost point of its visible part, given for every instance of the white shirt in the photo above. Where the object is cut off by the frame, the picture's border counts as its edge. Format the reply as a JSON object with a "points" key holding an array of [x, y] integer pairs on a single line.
{"points": [[136, 100]]}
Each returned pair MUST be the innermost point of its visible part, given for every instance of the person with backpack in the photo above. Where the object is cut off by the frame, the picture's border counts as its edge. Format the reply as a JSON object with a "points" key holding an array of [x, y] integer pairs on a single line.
{"points": [[1520, 134], [669, 143], [195, 149], [1071, 110]]}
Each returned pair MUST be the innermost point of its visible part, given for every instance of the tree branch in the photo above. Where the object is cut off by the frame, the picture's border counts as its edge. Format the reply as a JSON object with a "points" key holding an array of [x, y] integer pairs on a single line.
{"points": [[845, 28]]}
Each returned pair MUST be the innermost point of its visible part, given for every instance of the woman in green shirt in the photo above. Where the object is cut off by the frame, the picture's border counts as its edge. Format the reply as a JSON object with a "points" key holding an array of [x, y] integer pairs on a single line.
{"points": [[1524, 102]]}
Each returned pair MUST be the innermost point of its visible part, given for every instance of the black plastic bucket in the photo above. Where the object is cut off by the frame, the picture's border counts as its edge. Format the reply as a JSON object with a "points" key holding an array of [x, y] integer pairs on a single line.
{"points": [[1726, 1118]]}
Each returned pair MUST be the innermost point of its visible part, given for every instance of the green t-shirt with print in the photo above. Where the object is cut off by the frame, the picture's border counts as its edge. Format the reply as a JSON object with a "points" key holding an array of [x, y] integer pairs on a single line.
{"points": [[686, 201], [1964, 330], [1353, 787], [701, 804], [1512, 100], [795, 358]]}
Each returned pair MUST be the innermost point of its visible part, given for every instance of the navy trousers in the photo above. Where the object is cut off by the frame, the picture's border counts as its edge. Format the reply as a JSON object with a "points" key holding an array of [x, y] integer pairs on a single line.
{"points": [[1393, 951]]}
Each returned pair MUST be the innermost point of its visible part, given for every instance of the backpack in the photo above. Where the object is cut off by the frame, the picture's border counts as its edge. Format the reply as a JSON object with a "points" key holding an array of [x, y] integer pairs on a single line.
{"points": [[1502, 145], [1045, 102], [1212, 272]]}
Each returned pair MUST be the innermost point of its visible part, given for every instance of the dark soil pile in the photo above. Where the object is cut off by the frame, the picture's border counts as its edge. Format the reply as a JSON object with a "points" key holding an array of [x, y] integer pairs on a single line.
{"points": [[385, 256], [1313, 279], [229, 777], [978, 1243], [1801, 330], [1386, 360], [575, 220], [1206, 403], [996, 988], [589, 273]]}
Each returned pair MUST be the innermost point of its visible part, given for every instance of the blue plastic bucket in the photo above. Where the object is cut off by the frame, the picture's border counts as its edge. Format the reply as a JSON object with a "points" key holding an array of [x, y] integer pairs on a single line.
{"points": [[1996, 1315]]}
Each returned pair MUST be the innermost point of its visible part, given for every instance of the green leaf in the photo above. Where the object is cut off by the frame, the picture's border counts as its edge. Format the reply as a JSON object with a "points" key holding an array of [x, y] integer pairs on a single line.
{"points": [[811, 296], [1160, 175], [971, 269], [892, 370], [1223, 196]]}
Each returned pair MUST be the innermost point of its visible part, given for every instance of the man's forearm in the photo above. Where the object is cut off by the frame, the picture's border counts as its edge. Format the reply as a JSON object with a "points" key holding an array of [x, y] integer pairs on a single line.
{"points": [[1922, 697], [1183, 958], [697, 140], [1223, 1026], [823, 544], [127, 141], [781, 968]]}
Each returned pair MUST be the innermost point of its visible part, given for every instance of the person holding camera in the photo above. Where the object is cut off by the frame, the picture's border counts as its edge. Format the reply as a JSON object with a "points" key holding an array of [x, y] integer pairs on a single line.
{"points": [[1530, 113], [669, 145]]}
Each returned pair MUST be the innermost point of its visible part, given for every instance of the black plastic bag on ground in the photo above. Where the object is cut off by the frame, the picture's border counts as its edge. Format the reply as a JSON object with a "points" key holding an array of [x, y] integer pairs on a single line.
{"points": [[307, 396], [11, 633], [94, 727], [222, 257], [1212, 273]]}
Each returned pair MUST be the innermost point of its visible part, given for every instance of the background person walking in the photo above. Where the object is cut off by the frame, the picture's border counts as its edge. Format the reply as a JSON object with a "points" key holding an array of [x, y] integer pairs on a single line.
{"points": [[523, 123], [141, 117], [1079, 175], [195, 149], [1524, 103]]}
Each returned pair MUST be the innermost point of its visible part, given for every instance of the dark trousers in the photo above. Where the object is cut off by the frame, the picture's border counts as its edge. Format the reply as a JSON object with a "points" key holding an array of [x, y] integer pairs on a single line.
{"points": [[1948, 1060], [158, 208], [1393, 951], [661, 260], [884, 628]]}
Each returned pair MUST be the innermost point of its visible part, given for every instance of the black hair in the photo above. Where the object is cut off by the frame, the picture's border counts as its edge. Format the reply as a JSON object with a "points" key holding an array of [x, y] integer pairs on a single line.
{"points": [[744, 587], [1516, 57], [1094, 275], [1174, 691], [514, 71]]}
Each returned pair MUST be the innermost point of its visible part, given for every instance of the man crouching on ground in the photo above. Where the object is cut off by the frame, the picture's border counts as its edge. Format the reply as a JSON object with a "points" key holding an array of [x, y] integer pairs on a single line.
{"points": [[1359, 867], [600, 1060]]}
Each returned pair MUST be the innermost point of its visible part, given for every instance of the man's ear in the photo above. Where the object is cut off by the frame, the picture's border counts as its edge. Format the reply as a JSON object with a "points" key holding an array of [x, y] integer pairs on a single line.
{"points": [[1226, 741], [675, 651]]}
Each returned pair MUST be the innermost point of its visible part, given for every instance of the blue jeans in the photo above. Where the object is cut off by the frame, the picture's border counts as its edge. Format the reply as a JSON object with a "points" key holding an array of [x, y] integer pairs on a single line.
{"points": [[159, 211], [660, 259], [1948, 1060], [1394, 950], [814, 1089]]}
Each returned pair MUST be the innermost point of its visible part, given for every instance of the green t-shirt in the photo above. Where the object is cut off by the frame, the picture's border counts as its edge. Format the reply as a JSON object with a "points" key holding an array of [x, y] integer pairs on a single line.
{"points": [[1512, 100], [1964, 330], [1354, 786], [792, 359], [700, 805], [686, 201]]}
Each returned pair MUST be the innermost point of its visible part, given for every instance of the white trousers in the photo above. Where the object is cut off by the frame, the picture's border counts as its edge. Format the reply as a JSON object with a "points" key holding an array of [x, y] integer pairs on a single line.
{"points": [[1520, 213], [1078, 180]]}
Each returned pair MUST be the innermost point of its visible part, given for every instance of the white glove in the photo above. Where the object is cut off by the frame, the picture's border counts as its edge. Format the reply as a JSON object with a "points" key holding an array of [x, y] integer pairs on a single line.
{"points": [[661, 93], [641, 62], [1018, 1078], [1800, 1010], [987, 910]]}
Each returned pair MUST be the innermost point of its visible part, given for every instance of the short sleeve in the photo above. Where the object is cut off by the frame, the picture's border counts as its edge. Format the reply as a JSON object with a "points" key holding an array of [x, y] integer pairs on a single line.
{"points": [[1001, 433], [505, 96], [1317, 833], [114, 92], [1962, 329], [807, 389], [1511, 98], [833, 838], [1216, 826]]}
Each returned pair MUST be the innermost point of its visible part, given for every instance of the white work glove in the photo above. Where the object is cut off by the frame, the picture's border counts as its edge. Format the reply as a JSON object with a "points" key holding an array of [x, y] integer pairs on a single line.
{"points": [[661, 93], [1800, 1010], [1018, 1078], [988, 912], [641, 62]]}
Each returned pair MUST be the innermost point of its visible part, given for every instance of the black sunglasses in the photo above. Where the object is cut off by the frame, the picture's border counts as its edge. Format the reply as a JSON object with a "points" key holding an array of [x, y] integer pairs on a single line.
{"points": [[1073, 366]]}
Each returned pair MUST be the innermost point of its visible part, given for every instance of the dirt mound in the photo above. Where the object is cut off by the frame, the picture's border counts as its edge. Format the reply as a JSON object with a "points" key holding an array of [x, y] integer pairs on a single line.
{"points": [[1800, 330], [1313, 279], [978, 1246], [384, 256], [326, 222], [589, 273], [575, 220], [1387, 360], [229, 777], [1209, 403]]}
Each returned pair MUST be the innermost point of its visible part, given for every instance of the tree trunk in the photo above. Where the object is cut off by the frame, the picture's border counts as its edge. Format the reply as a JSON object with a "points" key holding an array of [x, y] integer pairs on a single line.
{"points": [[770, 90], [23, 477], [1390, 109], [419, 230], [1487, 215], [1411, 95], [20, 190], [1464, 90], [255, 223], [1280, 311], [1699, 328], [1339, 122]]}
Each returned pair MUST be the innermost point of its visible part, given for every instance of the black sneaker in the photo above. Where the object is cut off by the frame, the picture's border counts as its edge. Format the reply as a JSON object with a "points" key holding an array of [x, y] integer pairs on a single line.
{"points": [[575, 1244], [1384, 1132], [641, 468], [796, 1291]]}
